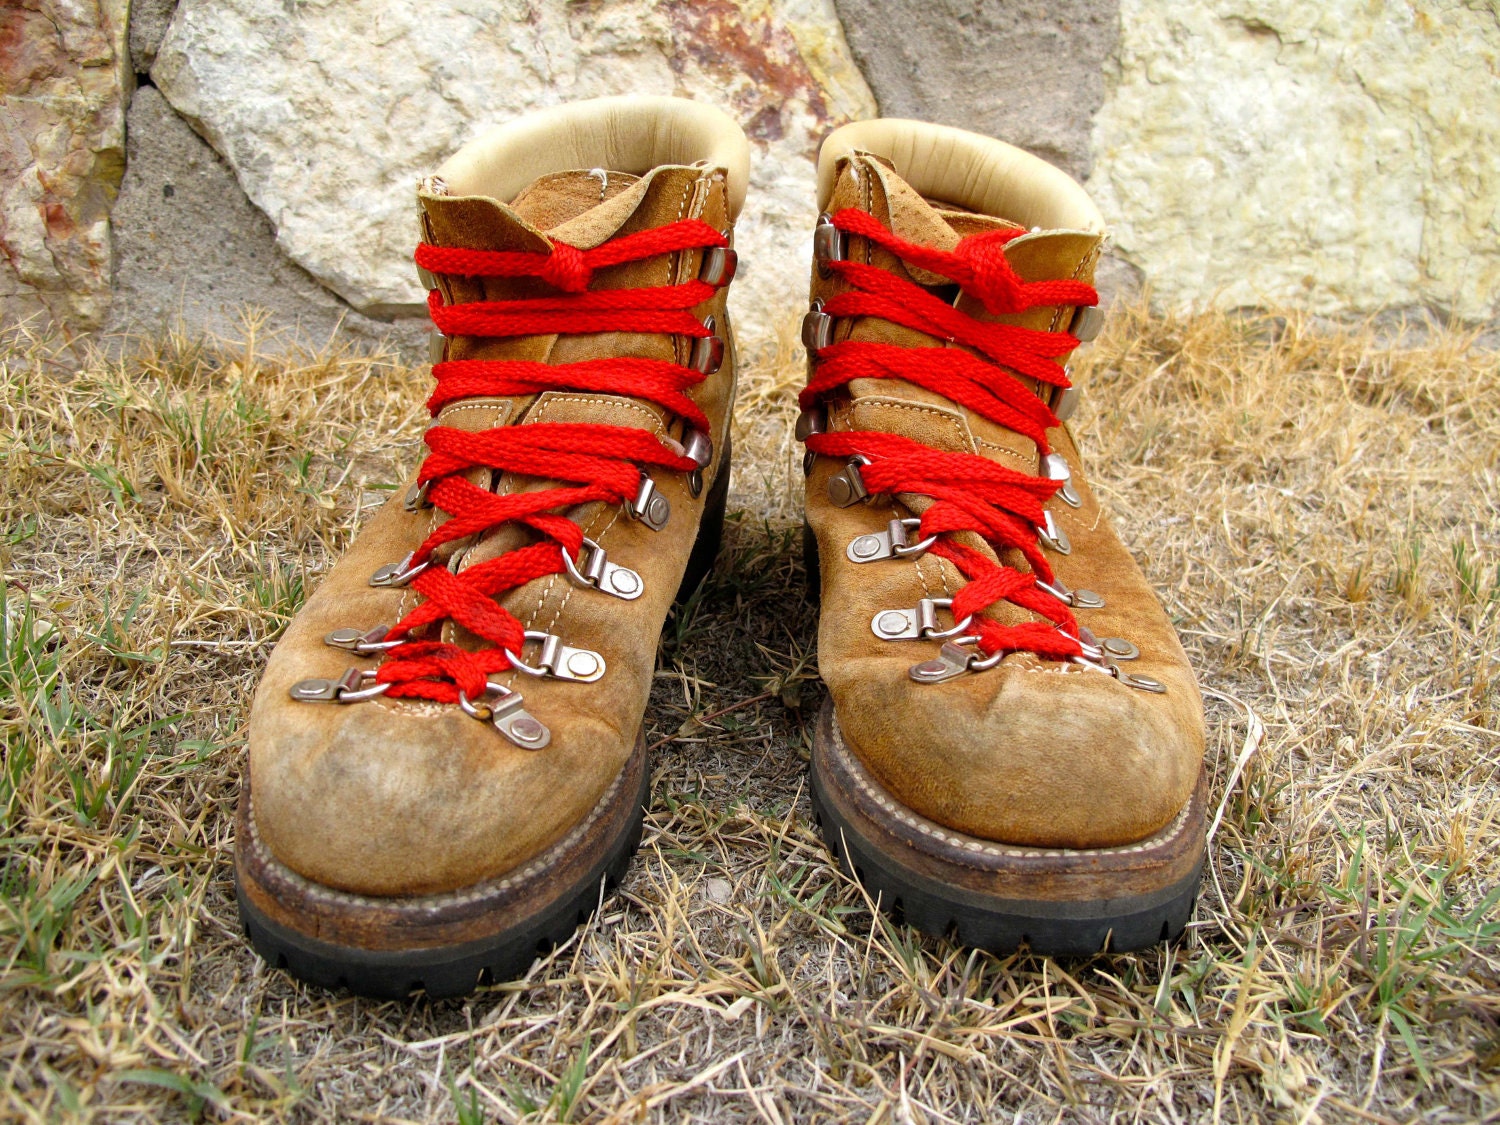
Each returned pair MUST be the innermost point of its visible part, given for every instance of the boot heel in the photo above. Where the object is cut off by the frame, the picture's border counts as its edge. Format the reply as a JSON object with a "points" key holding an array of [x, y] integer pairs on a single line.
{"points": [[710, 530]]}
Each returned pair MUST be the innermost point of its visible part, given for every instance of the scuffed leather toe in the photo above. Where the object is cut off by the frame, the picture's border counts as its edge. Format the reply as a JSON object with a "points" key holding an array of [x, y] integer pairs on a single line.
{"points": [[1029, 753], [402, 799]]}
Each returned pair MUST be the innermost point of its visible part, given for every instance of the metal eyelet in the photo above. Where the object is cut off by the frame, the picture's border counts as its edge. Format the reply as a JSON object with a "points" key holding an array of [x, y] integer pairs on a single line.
{"points": [[1088, 322], [416, 497], [892, 543], [1054, 467], [437, 347], [1130, 679], [345, 689], [362, 642], [700, 447], [1088, 642], [1078, 599], [813, 420], [650, 506], [718, 266], [508, 716], [847, 486], [829, 244], [1065, 399], [954, 659], [707, 354], [599, 573], [916, 624], [398, 573], [559, 661], [817, 328], [1052, 534]]}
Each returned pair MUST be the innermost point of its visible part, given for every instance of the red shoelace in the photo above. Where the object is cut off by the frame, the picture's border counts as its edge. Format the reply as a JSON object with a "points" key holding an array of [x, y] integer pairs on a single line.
{"points": [[595, 462], [970, 493]]}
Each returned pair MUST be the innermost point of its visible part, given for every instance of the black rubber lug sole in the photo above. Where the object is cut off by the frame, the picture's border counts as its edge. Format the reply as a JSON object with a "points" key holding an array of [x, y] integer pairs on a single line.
{"points": [[999, 925]]}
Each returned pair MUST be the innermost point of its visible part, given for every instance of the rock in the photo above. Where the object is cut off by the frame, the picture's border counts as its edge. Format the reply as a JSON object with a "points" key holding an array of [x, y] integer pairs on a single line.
{"points": [[65, 77], [1032, 75], [1335, 156], [718, 891], [191, 249], [329, 113], [148, 25]]}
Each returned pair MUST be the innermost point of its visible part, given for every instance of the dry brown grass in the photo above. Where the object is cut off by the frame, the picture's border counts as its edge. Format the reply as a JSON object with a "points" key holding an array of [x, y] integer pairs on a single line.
{"points": [[1318, 508]]}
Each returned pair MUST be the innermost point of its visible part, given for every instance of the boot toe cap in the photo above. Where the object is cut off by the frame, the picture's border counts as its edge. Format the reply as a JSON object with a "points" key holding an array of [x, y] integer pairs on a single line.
{"points": [[399, 798], [1034, 754]]}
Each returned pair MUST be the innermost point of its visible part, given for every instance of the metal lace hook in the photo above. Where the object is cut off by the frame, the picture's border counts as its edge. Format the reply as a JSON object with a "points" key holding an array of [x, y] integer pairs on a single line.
{"points": [[345, 689], [560, 661], [508, 716], [598, 573]]}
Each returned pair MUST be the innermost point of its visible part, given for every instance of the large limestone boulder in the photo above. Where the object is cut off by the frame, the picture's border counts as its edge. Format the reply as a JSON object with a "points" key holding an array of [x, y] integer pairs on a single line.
{"points": [[1030, 74], [328, 114], [64, 74], [190, 249], [1333, 156]]}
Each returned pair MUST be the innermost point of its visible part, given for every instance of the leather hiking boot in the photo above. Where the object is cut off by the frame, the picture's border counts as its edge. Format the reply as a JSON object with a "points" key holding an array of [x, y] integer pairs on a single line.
{"points": [[446, 751], [1012, 747]]}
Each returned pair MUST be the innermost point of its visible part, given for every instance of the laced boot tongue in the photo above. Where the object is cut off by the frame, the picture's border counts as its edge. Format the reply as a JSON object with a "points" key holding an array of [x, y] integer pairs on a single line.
{"points": [[581, 209], [896, 406], [1037, 256]]}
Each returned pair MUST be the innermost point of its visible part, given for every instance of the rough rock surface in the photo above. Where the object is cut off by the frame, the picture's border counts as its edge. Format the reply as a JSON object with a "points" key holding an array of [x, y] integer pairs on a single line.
{"points": [[1335, 156], [328, 114], [1030, 74], [148, 26], [191, 249], [64, 77]]}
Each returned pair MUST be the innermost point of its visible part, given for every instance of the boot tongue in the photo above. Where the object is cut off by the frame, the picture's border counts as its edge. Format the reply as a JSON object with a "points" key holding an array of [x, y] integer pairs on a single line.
{"points": [[1041, 255], [895, 406], [561, 198], [583, 208]]}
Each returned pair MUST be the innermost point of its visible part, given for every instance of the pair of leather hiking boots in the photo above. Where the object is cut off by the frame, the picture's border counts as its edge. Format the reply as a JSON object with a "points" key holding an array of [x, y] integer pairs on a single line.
{"points": [[446, 751]]}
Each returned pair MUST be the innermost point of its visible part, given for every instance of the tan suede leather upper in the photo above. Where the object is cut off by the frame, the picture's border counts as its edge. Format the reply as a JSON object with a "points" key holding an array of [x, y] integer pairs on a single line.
{"points": [[1030, 752], [390, 797]]}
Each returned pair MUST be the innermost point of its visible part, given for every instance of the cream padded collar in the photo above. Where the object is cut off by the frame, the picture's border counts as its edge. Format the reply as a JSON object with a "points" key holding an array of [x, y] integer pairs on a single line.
{"points": [[626, 134], [977, 172]]}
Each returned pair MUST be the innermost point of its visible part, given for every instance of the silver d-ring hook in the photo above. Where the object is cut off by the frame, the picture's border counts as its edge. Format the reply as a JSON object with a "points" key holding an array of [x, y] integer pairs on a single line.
{"points": [[508, 716], [892, 543], [345, 689], [560, 661], [920, 623], [953, 660], [599, 573], [1130, 679], [847, 486], [399, 573], [362, 642]]}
